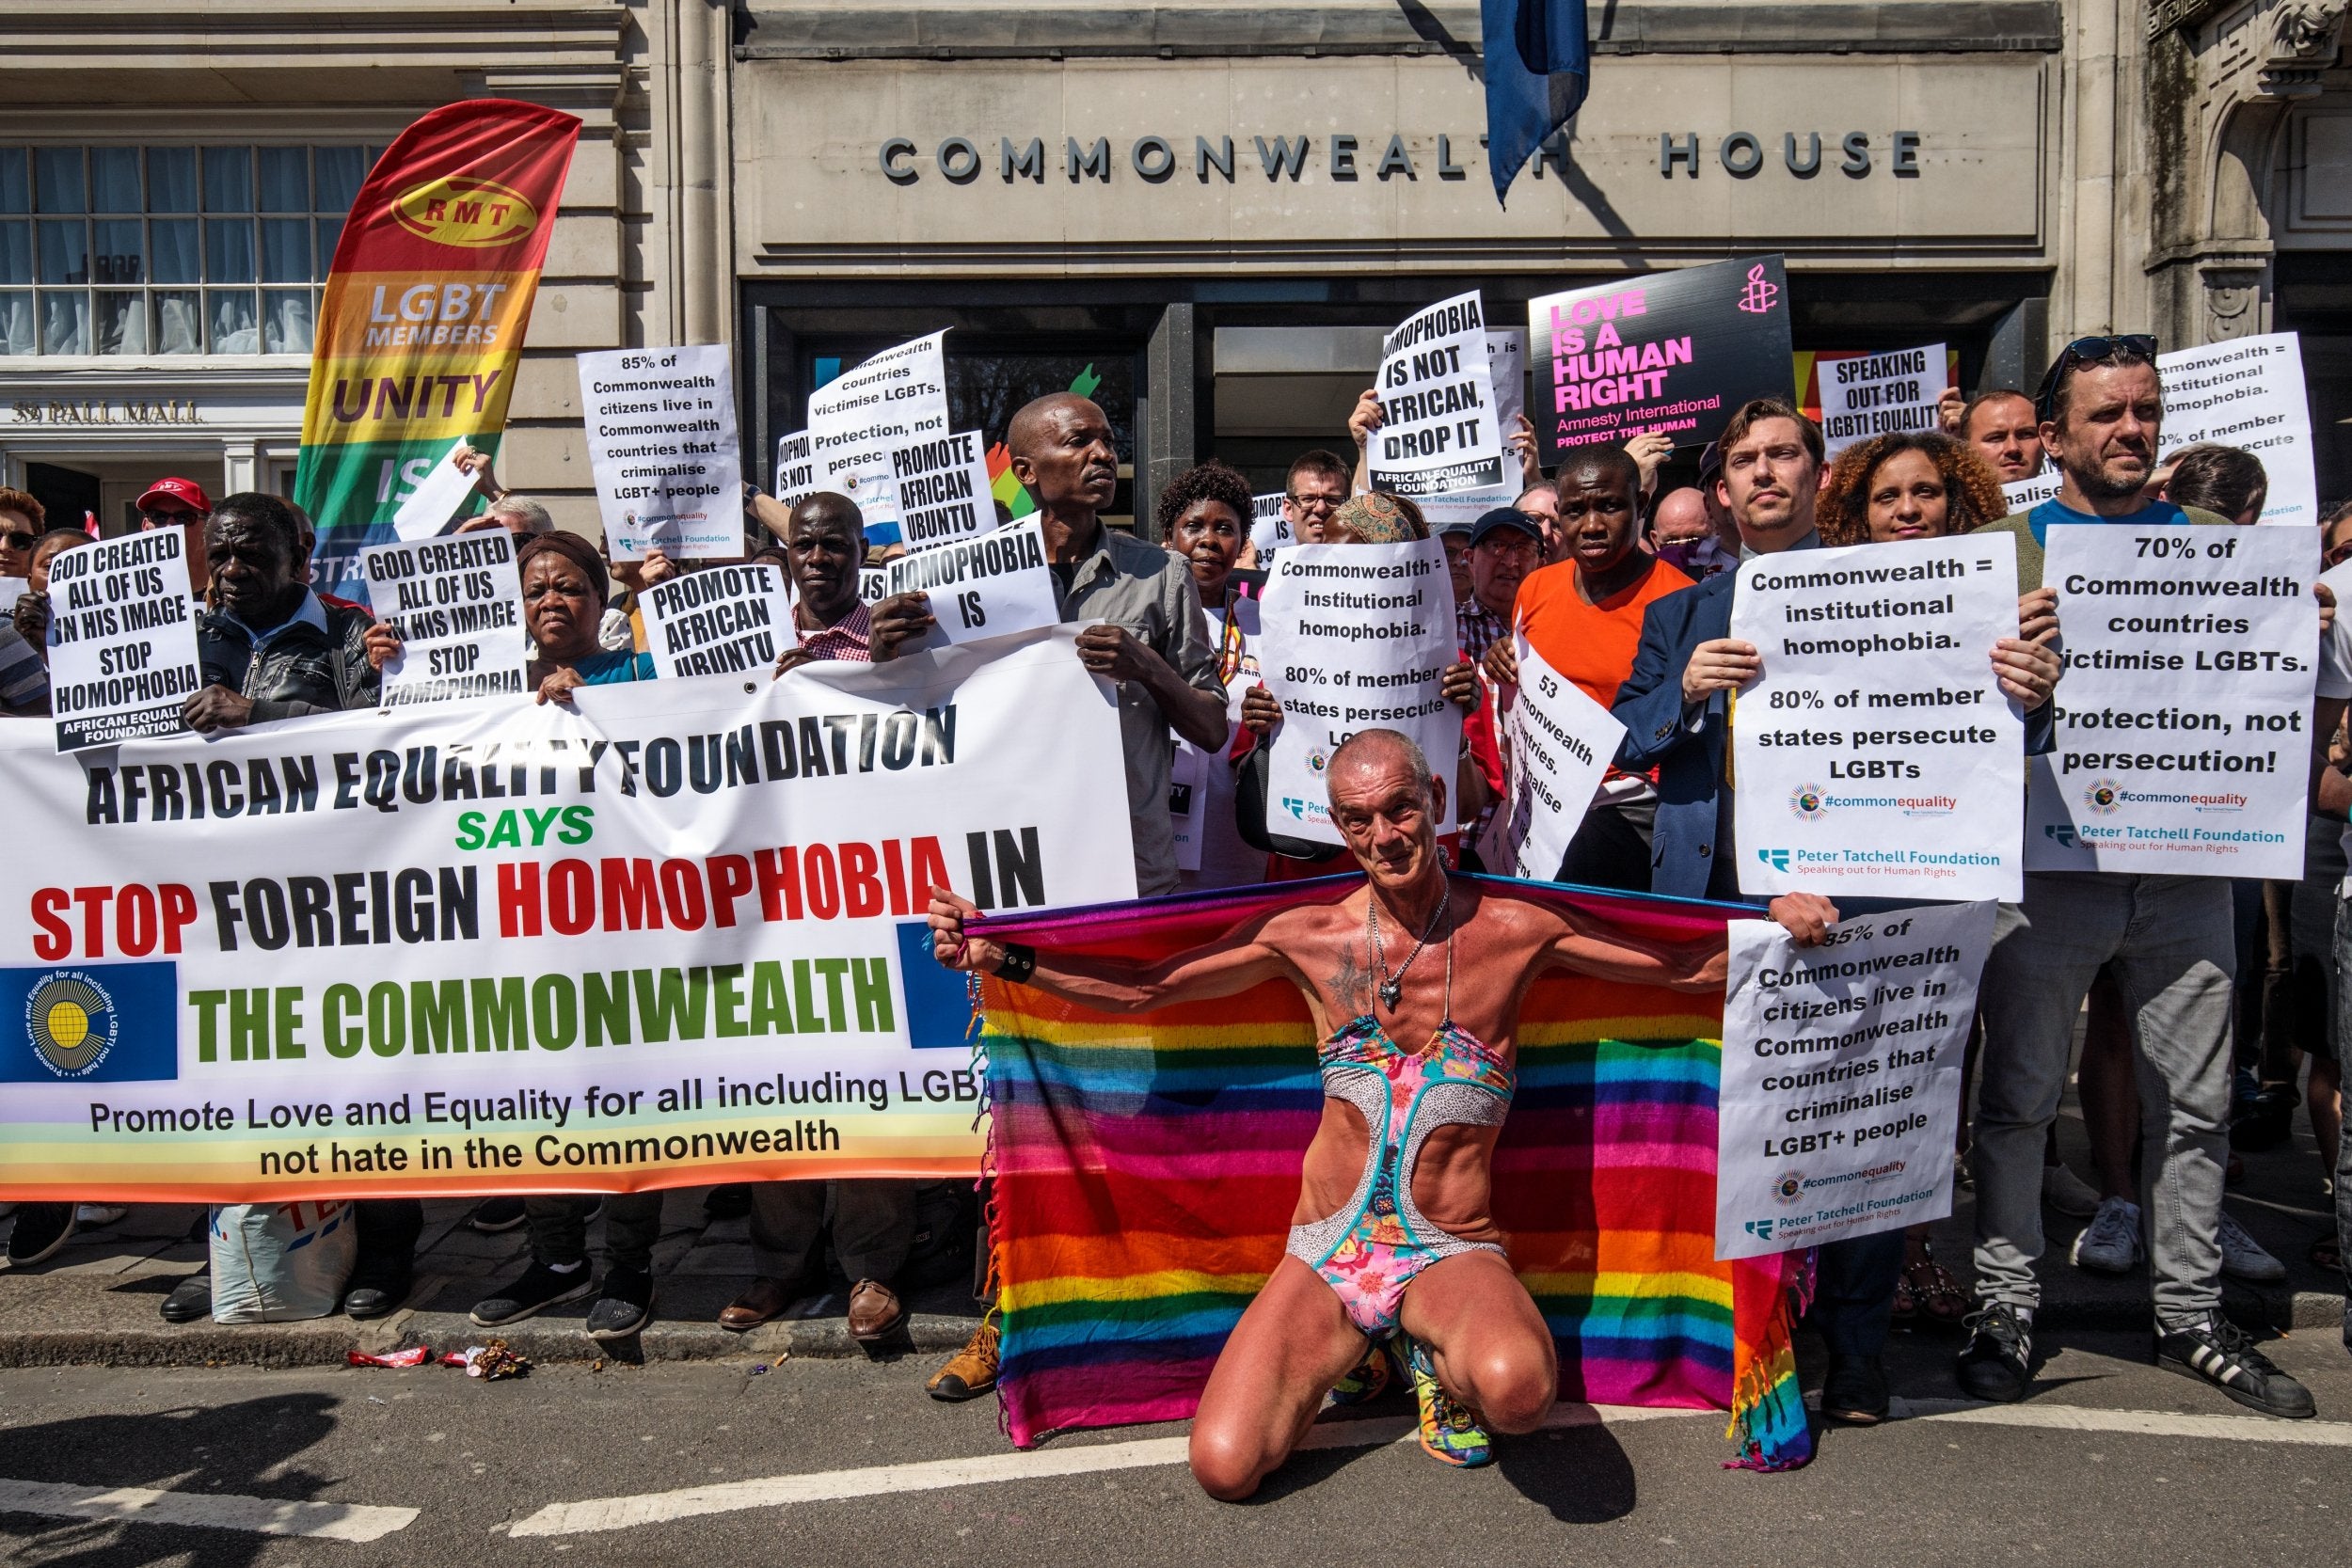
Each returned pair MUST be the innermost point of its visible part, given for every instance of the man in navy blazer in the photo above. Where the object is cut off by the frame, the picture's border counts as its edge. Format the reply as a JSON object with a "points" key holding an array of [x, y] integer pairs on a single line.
{"points": [[1677, 709]]}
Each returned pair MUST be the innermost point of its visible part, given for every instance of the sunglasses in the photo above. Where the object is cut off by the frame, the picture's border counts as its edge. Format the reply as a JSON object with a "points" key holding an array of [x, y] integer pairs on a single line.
{"points": [[2089, 351], [18, 541]]}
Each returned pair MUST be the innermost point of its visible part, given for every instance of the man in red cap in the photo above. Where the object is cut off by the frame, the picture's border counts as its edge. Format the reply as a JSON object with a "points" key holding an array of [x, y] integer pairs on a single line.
{"points": [[179, 504]]}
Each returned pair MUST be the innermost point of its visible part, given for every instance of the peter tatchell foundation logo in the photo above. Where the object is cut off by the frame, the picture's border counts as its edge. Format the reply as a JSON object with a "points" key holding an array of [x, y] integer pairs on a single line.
{"points": [[1809, 802], [2105, 796], [69, 1020]]}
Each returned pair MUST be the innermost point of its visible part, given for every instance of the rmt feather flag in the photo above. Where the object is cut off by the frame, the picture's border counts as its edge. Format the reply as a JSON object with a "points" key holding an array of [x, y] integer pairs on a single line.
{"points": [[1537, 65], [425, 314]]}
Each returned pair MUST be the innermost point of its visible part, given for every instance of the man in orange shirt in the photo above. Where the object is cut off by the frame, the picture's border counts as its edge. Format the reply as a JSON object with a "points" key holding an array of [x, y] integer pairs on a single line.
{"points": [[1584, 616]]}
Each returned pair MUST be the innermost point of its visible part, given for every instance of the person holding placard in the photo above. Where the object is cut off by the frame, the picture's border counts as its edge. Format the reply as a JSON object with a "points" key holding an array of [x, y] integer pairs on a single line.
{"points": [[1584, 616], [1678, 705], [2166, 940], [1202, 516]]}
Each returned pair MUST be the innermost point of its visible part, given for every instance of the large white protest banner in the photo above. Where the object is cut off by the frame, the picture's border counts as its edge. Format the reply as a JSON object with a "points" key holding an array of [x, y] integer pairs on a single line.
{"points": [[1557, 743], [2248, 392], [434, 504], [1877, 755], [662, 446], [942, 490], [1354, 637], [1880, 394], [1840, 1098], [2183, 718], [721, 620], [1438, 432], [457, 606], [983, 587], [672, 935], [122, 652], [856, 419]]}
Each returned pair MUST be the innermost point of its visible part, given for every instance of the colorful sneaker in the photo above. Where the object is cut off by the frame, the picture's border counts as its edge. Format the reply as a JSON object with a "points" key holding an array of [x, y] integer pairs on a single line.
{"points": [[1449, 1432], [1369, 1379]]}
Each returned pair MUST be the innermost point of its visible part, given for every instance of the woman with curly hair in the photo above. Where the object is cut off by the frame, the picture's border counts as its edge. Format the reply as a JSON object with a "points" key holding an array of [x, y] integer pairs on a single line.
{"points": [[1203, 517], [1911, 484]]}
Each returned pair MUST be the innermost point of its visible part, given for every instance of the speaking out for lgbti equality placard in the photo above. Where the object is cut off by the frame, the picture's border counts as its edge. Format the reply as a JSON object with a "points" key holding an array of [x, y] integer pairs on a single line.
{"points": [[1673, 351], [1842, 1074], [457, 604], [1880, 394], [1877, 755], [122, 638], [1353, 637], [423, 315], [2184, 717], [662, 445], [675, 937]]}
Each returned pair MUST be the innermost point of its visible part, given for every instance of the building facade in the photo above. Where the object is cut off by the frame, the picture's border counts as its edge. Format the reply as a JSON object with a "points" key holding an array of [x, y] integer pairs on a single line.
{"points": [[1205, 213]]}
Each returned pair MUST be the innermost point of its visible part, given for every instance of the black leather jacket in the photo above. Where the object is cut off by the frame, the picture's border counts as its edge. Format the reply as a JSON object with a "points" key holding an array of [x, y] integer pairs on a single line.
{"points": [[298, 672]]}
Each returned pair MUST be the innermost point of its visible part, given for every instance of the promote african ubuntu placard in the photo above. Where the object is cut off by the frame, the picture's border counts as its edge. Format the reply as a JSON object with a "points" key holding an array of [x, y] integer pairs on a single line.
{"points": [[675, 937], [423, 316]]}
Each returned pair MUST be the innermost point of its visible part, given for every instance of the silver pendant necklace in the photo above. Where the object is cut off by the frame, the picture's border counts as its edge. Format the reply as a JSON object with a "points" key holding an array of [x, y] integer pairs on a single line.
{"points": [[1391, 989]]}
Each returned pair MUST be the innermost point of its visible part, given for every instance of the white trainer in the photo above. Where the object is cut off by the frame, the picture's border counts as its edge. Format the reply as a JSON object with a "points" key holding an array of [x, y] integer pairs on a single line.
{"points": [[2110, 1243]]}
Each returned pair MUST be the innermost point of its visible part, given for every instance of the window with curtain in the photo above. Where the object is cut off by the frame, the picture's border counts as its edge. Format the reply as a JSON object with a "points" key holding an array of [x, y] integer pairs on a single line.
{"points": [[159, 250]]}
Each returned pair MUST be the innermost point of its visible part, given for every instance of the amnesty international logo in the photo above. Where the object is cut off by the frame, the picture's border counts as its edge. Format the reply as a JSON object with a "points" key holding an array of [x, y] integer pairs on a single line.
{"points": [[2105, 796], [1756, 298], [1810, 803], [70, 1019]]}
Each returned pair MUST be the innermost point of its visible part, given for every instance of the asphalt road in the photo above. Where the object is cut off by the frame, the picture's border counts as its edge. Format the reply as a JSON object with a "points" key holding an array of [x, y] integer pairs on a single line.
{"points": [[427, 1467]]}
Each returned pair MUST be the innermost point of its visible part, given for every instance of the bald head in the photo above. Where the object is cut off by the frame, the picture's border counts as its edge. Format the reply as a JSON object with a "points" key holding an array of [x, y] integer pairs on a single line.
{"points": [[826, 510], [1372, 752], [1681, 517], [1062, 451]]}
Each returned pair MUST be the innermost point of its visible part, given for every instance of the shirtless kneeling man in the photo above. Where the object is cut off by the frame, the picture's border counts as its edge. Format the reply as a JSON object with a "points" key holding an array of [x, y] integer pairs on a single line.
{"points": [[1415, 980]]}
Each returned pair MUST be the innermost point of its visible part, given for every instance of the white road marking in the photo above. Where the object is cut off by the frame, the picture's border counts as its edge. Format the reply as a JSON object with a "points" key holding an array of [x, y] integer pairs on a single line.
{"points": [[653, 1508], [203, 1509], [2142, 1423]]}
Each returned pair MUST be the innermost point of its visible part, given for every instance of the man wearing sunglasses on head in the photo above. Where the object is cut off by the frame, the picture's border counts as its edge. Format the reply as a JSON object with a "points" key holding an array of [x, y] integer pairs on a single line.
{"points": [[2165, 940]]}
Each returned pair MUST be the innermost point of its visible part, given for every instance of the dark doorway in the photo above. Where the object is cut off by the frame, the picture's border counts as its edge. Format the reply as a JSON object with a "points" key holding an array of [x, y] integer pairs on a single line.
{"points": [[65, 494]]}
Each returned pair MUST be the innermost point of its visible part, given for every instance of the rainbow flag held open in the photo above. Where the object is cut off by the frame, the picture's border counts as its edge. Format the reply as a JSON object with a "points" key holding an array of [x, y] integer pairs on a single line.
{"points": [[1146, 1167], [423, 315]]}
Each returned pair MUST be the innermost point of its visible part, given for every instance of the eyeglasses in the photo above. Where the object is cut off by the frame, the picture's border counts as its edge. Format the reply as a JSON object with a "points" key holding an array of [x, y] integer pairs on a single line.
{"points": [[1325, 504], [168, 514], [19, 541], [2089, 351]]}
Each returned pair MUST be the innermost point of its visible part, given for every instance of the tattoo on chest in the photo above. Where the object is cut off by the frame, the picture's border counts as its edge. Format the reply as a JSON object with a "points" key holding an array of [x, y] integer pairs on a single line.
{"points": [[1351, 983]]}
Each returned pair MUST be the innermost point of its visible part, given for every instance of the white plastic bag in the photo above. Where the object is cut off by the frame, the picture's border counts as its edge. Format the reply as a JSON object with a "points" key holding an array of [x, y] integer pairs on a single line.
{"points": [[275, 1263]]}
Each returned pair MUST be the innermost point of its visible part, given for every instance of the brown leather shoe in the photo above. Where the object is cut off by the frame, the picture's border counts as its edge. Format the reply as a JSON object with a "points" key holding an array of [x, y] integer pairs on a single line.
{"points": [[972, 1370], [874, 1310], [760, 1302]]}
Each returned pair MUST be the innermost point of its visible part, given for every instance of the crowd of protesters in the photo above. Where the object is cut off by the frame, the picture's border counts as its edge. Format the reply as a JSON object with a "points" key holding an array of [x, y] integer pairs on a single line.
{"points": [[1626, 590]]}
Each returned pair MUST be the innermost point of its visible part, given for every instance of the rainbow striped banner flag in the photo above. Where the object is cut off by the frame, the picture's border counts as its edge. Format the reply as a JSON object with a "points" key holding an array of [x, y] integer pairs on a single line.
{"points": [[425, 313], [1146, 1167]]}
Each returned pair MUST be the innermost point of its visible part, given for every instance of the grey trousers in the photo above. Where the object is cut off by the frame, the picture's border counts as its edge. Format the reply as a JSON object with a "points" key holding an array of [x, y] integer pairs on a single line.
{"points": [[2344, 1051], [559, 1227], [873, 1226], [2168, 941]]}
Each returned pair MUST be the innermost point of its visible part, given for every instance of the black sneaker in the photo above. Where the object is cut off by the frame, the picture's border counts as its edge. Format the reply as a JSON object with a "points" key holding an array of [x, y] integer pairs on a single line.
{"points": [[539, 1289], [191, 1299], [1854, 1390], [41, 1229], [2219, 1352], [1997, 1363], [624, 1303], [493, 1215]]}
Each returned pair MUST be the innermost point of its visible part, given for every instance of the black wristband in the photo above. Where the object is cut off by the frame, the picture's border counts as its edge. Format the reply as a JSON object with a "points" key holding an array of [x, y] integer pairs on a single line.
{"points": [[1019, 963]]}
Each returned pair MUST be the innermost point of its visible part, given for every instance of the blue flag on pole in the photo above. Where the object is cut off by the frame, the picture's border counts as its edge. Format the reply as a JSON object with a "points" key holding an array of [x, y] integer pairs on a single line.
{"points": [[1537, 64]]}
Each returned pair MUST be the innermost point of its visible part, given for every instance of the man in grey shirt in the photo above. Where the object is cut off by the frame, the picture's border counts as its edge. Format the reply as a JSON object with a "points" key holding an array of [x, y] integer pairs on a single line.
{"points": [[1153, 641]]}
